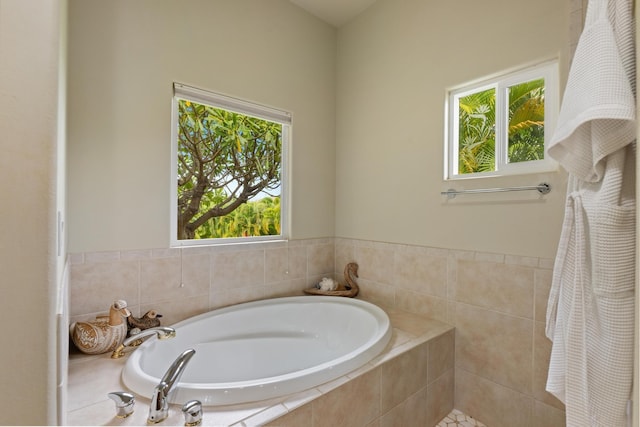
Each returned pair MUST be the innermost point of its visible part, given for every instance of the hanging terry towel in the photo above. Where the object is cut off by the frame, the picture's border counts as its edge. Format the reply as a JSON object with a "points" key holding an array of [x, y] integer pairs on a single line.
{"points": [[590, 314]]}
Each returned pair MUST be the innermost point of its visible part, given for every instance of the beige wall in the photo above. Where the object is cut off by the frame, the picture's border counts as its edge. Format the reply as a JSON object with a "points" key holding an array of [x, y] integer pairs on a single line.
{"points": [[377, 175], [124, 57], [395, 63], [29, 65]]}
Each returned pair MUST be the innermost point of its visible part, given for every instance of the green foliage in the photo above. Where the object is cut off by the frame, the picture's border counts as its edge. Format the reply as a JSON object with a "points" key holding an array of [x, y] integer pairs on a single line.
{"points": [[526, 121], [254, 218], [225, 160], [476, 133]]}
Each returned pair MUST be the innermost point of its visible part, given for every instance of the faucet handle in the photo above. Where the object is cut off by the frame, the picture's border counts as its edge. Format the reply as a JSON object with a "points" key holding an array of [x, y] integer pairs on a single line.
{"points": [[192, 411], [124, 403]]}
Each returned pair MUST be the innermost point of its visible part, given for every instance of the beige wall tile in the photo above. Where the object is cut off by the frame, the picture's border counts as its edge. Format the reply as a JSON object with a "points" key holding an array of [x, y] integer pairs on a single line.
{"points": [[541, 356], [356, 403], [86, 388], [196, 273], [489, 257], [376, 264], [410, 413], [345, 252], [451, 312], [286, 288], [94, 286], [503, 287], [521, 260], [548, 416], [379, 294], [441, 355], [420, 272], [452, 276], [321, 259], [77, 258], [491, 403], [109, 256], [285, 264], [228, 297], [440, 397], [176, 310], [423, 305], [165, 252], [496, 346], [403, 376], [135, 255], [302, 416], [160, 279], [542, 286], [232, 270], [175, 278], [460, 254], [416, 325], [261, 418], [546, 263], [298, 400]]}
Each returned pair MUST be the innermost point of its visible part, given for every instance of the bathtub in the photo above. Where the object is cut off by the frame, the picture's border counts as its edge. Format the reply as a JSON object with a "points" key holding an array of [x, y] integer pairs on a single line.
{"points": [[263, 349]]}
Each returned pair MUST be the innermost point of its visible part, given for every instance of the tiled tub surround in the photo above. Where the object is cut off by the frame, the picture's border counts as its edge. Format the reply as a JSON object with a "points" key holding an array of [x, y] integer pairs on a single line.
{"points": [[411, 384], [497, 303], [181, 283]]}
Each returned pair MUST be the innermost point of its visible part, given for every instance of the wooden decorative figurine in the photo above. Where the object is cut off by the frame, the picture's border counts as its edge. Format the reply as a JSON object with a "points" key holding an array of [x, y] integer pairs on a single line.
{"points": [[151, 319], [103, 334]]}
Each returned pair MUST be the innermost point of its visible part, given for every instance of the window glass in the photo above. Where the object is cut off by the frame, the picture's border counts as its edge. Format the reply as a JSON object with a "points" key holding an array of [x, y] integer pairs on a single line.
{"points": [[477, 132], [526, 121], [229, 174], [501, 125]]}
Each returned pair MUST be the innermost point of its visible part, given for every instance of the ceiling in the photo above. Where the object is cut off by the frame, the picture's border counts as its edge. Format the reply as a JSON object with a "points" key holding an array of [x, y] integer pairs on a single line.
{"points": [[334, 12]]}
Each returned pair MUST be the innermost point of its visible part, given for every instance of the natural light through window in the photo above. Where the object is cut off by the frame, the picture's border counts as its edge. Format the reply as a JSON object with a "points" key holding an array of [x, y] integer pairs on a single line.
{"points": [[229, 169], [501, 125]]}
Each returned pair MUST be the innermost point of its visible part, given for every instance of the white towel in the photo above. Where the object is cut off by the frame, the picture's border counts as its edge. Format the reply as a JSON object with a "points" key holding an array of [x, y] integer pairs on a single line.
{"points": [[597, 116], [590, 314]]}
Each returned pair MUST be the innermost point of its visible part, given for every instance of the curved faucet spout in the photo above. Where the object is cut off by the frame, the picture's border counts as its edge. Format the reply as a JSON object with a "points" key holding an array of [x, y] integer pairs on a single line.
{"points": [[159, 408], [162, 332]]}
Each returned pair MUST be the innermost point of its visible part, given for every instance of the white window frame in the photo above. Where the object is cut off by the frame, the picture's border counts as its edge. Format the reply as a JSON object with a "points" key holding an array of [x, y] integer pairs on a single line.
{"points": [[501, 82], [201, 96]]}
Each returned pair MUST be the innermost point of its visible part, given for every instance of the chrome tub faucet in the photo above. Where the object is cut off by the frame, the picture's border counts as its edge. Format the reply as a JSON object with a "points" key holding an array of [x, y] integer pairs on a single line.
{"points": [[159, 408], [162, 332]]}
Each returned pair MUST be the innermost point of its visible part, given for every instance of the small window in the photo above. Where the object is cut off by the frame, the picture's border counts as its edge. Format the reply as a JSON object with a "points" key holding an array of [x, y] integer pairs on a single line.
{"points": [[229, 169], [502, 125]]}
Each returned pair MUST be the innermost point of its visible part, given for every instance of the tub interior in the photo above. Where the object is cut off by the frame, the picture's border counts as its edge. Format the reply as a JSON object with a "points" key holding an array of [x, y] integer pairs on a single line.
{"points": [[281, 345]]}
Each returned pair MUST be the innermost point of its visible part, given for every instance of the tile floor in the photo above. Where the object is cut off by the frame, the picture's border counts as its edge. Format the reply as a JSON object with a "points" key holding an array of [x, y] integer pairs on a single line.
{"points": [[457, 418]]}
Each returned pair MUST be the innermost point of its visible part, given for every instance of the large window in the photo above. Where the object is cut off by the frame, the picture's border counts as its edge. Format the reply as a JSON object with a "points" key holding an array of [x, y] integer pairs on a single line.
{"points": [[502, 125], [229, 169]]}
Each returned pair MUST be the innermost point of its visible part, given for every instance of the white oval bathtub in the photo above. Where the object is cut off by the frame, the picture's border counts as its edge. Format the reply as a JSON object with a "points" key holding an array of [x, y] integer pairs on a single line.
{"points": [[263, 349]]}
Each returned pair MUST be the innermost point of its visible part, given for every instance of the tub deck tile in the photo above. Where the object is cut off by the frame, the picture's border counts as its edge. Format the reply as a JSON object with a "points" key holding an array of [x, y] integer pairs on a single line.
{"points": [[92, 377]]}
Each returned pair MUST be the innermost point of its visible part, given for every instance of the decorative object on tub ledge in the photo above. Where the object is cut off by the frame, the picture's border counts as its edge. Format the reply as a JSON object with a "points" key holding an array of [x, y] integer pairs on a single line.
{"points": [[151, 319], [103, 334], [349, 289], [327, 284]]}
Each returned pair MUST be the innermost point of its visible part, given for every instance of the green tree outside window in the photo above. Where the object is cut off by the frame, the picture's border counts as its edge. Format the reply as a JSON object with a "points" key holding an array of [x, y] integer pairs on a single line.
{"points": [[477, 127], [229, 173]]}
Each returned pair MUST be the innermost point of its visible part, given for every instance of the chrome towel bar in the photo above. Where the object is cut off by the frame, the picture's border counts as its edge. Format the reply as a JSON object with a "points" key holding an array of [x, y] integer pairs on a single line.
{"points": [[542, 188]]}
